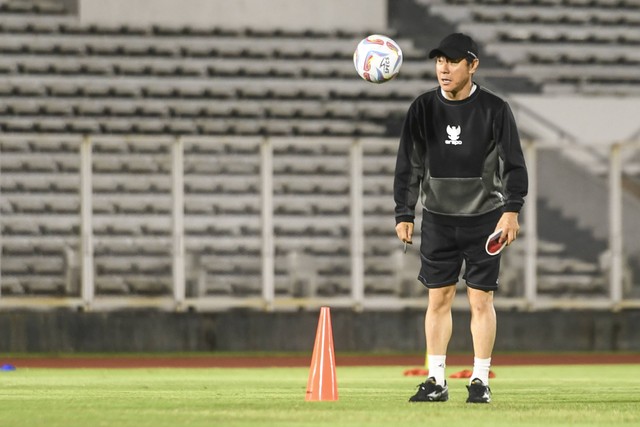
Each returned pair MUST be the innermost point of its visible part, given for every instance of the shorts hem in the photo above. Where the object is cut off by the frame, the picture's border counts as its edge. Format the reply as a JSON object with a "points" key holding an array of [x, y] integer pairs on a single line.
{"points": [[482, 287], [437, 285]]}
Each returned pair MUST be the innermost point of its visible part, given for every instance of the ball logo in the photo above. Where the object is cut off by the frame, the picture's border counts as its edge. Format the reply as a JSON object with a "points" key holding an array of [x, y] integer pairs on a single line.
{"points": [[385, 65]]}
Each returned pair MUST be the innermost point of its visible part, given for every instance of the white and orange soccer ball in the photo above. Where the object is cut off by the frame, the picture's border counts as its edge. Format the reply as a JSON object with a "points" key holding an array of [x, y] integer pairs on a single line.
{"points": [[377, 58]]}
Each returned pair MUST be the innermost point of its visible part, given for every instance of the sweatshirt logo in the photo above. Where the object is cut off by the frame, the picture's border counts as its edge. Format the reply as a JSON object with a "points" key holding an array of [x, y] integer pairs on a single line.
{"points": [[454, 133]]}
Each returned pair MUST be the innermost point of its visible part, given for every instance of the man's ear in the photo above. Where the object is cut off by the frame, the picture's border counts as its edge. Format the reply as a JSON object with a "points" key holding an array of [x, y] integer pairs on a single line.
{"points": [[473, 67]]}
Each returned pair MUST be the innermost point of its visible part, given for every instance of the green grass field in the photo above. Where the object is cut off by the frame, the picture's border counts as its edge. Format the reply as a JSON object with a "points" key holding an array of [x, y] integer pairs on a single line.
{"points": [[605, 395]]}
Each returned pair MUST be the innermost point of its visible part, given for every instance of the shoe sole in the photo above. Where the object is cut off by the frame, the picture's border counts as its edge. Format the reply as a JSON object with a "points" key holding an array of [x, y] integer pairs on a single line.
{"points": [[442, 398]]}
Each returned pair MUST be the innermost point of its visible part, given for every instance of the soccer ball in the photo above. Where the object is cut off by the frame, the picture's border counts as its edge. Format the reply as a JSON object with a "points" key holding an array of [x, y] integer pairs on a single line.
{"points": [[377, 58]]}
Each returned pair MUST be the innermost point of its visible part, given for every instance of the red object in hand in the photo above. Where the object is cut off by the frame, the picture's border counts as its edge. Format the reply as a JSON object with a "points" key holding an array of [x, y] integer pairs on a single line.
{"points": [[493, 245]]}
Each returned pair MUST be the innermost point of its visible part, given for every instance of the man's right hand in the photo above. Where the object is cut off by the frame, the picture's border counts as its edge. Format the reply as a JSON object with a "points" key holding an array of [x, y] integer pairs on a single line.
{"points": [[404, 230]]}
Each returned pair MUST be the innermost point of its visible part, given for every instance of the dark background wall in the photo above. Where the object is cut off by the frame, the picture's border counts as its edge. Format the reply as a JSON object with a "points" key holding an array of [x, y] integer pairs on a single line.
{"points": [[244, 330]]}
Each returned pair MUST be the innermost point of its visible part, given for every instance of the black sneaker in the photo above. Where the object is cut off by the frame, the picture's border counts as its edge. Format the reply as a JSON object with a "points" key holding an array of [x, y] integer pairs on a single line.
{"points": [[429, 391], [478, 392]]}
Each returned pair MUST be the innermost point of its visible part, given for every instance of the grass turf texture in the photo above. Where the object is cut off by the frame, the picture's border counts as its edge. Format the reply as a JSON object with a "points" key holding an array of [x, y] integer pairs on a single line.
{"points": [[603, 395]]}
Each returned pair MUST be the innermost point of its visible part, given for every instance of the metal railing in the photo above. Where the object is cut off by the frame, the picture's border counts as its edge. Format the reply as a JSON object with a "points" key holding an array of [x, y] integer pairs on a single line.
{"points": [[526, 296]]}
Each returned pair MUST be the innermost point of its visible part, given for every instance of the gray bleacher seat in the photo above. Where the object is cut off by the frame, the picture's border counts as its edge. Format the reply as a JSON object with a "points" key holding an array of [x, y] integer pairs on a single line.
{"points": [[152, 109], [68, 68], [187, 110], [316, 226], [111, 285], [49, 266], [153, 285], [49, 7], [25, 182], [234, 205], [233, 225], [120, 108], [198, 206], [182, 127], [149, 125], [106, 164], [12, 286], [25, 108], [140, 205], [158, 91], [330, 184], [18, 7], [317, 165], [64, 89], [57, 109], [61, 225], [26, 204], [11, 47], [20, 226], [7, 89], [124, 91], [341, 110], [91, 109], [16, 265], [29, 88], [111, 226], [141, 48], [52, 144], [8, 68], [13, 145], [94, 89], [18, 247], [197, 227], [132, 69], [127, 265], [108, 145], [52, 125], [92, 68], [14, 162], [41, 284], [231, 184], [216, 127], [16, 24], [6, 207], [117, 126], [147, 145], [243, 110]]}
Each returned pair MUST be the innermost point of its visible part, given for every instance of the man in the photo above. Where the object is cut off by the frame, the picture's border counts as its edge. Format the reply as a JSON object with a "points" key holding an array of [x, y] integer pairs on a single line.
{"points": [[460, 151]]}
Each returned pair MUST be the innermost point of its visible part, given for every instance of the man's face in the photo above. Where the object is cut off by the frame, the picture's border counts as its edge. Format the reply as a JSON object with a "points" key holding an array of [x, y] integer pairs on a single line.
{"points": [[454, 74]]}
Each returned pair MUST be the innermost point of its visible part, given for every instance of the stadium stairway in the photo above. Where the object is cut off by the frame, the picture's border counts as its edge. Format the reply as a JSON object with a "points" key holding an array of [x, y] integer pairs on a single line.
{"points": [[415, 19], [560, 45]]}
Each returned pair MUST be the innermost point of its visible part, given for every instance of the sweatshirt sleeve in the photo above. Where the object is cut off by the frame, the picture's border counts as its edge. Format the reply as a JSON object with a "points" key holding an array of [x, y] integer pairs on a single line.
{"points": [[409, 168], [514, 172]]}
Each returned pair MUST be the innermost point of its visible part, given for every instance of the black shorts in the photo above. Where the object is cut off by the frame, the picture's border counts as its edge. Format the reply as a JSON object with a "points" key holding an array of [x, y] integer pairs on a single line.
{"points": [[445, 247]]}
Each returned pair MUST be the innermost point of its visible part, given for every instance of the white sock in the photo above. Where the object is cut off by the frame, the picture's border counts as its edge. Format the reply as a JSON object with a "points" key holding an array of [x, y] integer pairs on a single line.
{"points": [[481, 370], [436, 365]]}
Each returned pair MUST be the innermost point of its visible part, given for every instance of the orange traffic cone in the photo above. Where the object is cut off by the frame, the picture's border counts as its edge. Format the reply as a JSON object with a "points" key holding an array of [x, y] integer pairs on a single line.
{"points": [[322, 384]]}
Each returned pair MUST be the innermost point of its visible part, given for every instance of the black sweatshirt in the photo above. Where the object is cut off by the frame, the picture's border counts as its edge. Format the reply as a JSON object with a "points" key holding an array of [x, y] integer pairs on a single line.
{"points": [[463, 157]]}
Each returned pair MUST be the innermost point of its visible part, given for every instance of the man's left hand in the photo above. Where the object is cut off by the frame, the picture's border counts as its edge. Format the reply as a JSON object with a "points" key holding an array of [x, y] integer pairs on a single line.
{"points": [[510, 227]]}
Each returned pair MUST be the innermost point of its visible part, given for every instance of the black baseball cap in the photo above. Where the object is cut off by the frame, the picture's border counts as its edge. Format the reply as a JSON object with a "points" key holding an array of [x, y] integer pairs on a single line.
{"points": [[456, 46]]}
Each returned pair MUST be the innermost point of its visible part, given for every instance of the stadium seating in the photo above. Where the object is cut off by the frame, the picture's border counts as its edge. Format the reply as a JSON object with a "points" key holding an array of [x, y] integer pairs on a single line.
{"points": [[225, 89], [586, 47], [162, 80]]}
